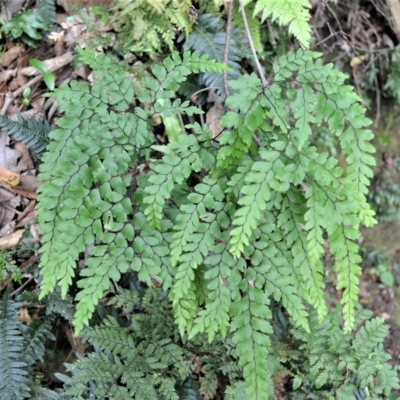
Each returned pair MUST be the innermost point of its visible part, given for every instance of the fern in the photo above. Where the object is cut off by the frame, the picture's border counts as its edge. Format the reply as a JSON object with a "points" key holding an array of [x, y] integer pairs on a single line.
{"points": [[329, 351], [208, 37], [20, 348], [47, 11], [90, 152], [14, 382], [227, 229], [145, 26], [144, 360], [33, 133], [291, 12], [254, 24]]}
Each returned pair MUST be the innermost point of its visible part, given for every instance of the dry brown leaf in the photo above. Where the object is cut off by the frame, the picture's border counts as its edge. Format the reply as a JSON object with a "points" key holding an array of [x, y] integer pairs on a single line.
{"points": [[11, 178], [29, 182], [6, 75], [7, 229], [10, 55], [9, 8], [394, 6], [25, 155], [23, 315], [76, 343], [26, 220], [6, 215], [8, 157], [8, 242], [213, 116]]}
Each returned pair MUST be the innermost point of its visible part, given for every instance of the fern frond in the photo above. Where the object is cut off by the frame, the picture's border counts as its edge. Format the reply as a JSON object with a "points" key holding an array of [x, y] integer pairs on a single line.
{"points": [[88, 188], [292, 12], [208, 37], [253, 23], [144, 26], [36, 336], [47, 11], [32, 132], [14, 376], [189, 390]]}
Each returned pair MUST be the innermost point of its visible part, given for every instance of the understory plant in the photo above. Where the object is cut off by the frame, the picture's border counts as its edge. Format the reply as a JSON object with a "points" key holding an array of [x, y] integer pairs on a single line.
{"points": [[223, 226], [229, 226]]}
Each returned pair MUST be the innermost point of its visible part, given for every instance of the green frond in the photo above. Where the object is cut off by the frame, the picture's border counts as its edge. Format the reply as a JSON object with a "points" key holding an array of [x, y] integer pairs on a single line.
{"points": [[47, 11], [291, 12], [86, 173], [145, 26], [14, 379], [35, 338], [208, 37], [327, 350], [32, 132], [254, 24], [189, 390]]}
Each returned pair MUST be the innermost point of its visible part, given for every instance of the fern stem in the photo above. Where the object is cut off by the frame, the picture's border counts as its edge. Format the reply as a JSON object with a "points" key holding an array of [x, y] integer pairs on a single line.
{"points": [[253, 49], [227, 44]]}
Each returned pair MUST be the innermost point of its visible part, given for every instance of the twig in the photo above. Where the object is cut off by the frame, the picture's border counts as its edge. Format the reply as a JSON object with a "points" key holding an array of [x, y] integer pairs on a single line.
{"points": [[192, 97], [227, 44], [27, 210], [8, 207], [253, 49], [16, 291]]}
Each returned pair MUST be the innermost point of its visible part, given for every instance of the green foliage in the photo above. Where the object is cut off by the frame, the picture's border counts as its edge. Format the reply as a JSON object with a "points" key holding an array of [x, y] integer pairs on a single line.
{"points": [[251, 229], [26, 27], [86, 169], [21, 347], [9, 267], [145, 358], [327, 361], [292, 12], [145, 26], [47, 11], [32, 132], [253, 23], [208, 37]]}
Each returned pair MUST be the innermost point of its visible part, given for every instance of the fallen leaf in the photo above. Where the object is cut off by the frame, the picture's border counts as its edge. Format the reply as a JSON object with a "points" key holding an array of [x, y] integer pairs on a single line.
{"points": [[10, 241], [23, 315], [25, 158], [10, 7], [10, 55], [214, 115], [6, 215], [8, 157], [11, 178], [357, 60]]}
